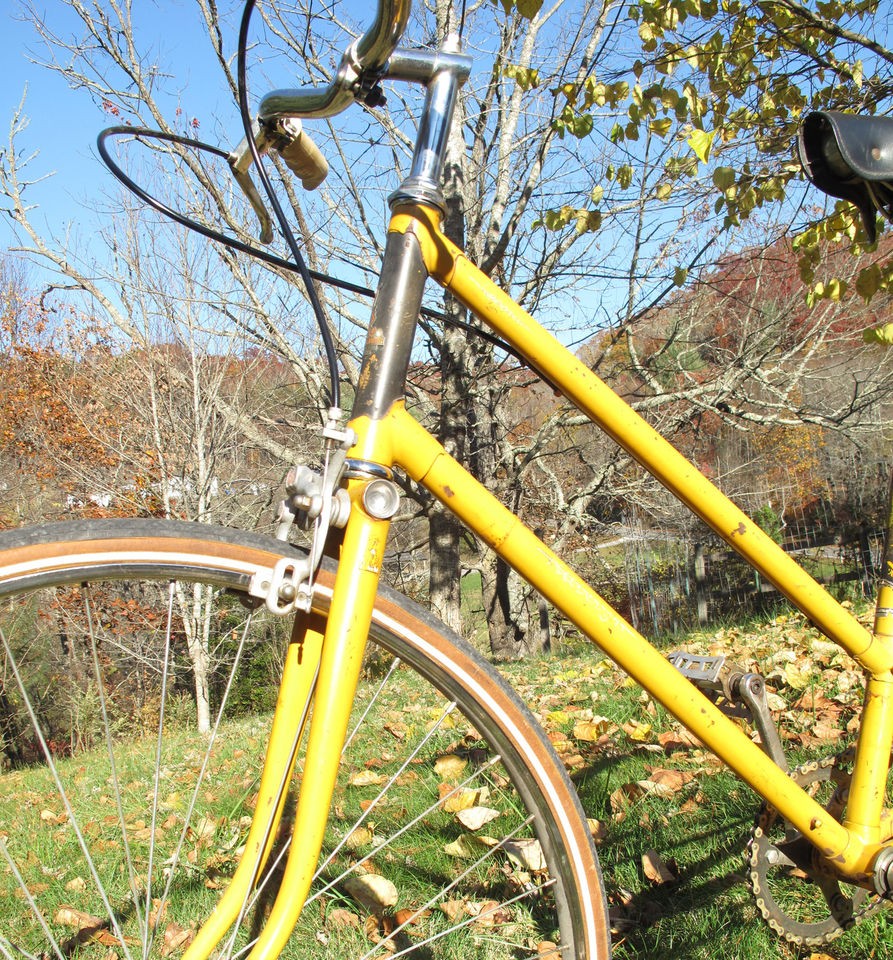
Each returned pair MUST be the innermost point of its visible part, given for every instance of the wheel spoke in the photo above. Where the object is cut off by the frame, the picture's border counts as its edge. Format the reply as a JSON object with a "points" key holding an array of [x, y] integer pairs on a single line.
{"points": [[154, 814]]}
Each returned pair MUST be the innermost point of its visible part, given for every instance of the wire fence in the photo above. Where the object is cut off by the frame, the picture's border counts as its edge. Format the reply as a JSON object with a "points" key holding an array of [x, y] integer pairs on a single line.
{"points": [[676, 584]]}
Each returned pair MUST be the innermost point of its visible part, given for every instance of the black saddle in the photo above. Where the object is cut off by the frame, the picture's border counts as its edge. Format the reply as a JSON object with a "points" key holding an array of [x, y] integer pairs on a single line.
{"points": [[851, 157]]}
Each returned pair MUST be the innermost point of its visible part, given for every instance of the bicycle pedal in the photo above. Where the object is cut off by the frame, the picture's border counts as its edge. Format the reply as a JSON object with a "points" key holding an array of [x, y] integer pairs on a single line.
{"points": [[702, 671]]}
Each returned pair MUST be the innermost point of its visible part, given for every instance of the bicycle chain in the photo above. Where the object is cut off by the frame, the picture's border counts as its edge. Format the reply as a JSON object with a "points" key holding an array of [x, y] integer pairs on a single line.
{"points": [[764, 855]]}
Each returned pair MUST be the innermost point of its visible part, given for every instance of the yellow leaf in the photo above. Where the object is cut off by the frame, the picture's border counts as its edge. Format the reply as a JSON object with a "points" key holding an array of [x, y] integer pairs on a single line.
{"points": [[798, 675], [465, 799], [468, 846], [361, 837], [882, 335], [700, 142], [450, 766], [590, 730], [367, 778], [640, 732]]}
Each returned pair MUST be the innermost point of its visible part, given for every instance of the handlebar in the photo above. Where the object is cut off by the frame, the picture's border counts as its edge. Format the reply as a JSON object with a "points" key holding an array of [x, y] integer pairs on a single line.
{"points": [[360, 65], [278, 127]]}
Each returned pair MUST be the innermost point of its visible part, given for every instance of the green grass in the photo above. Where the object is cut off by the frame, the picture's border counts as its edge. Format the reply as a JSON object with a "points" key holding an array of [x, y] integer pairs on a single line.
{"points": [[701, 828], [611, 737]]}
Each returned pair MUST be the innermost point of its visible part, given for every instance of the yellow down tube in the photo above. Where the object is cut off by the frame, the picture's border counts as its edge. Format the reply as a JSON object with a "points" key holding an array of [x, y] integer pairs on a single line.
{"points": [[448, 265], [425, 460]]}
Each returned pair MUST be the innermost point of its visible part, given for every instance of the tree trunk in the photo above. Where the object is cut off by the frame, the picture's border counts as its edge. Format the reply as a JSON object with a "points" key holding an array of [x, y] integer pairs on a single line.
{"points": [[445, 532]]}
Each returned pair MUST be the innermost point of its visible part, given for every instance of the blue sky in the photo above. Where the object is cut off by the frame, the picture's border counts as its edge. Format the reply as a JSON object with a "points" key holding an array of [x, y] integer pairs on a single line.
{"points": [[64, 123]]}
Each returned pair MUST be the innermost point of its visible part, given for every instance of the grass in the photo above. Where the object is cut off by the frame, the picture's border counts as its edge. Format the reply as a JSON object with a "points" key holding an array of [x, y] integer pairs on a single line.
{"points": [[672, 853], [699, 826], [418, 863]]}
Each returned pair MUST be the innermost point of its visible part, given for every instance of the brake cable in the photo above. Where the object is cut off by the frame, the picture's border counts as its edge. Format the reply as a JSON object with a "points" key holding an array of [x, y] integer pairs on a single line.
{"points": [[322, 321]]}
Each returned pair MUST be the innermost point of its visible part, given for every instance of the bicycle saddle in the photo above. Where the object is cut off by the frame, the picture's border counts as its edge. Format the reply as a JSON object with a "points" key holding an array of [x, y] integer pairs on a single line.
{"points": [[851, 157]]}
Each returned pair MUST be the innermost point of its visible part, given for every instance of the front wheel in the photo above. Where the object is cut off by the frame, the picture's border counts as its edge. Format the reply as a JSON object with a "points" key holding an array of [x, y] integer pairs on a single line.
{"points": [[137, 685]]}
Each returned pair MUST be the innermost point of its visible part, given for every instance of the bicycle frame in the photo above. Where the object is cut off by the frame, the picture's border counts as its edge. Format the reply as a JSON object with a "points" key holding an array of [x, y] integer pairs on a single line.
{"points": [[387, 437], [393, 438]]}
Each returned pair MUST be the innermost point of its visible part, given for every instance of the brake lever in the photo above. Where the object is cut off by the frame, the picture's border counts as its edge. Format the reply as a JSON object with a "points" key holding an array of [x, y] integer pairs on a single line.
{"points": [[297, 150], [240, 161]]}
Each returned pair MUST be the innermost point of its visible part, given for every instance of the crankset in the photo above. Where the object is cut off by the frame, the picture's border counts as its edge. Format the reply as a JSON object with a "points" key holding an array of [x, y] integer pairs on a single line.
{"points": [[797, 895]]}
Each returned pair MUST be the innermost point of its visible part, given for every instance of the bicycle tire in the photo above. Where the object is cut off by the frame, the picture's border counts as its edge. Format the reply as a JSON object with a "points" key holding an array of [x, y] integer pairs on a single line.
{"points": [[537, 881]]}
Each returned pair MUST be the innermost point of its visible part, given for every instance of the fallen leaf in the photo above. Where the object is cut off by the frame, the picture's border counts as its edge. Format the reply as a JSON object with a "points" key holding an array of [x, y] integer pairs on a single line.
{"points": [[454, 909], [69, 917], [367, 778], [360, 837], [467, 846], [450, 766], [473, 818], [410, 917], [175, 938], [527, 854], [597, 829], [655, 869], [487, 913], [592, 730], [673, 740], [463, 798], [673, 780], [339, 917], [640, 732], [372, 891]]}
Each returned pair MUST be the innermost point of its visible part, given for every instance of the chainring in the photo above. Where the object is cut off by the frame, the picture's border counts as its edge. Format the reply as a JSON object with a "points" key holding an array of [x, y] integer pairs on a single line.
{"points": [[802, 903]]}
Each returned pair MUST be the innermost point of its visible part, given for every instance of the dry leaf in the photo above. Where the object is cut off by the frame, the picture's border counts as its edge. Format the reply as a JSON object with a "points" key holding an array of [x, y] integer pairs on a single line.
{"points": [[640, 732], [410, 917], [367, 778], [673, 780], [466, 846], [339, 917], [372, 891], [597, 829], [655, 869], [454, 909], [527, 854], [69, 917], [473, 818], [175, 938], [462, 799], [674, 740], [487, 913], [546, 950], [76, 884], [157, 913], [397, 730], [360, 837], [592, 730], [449, 766]]}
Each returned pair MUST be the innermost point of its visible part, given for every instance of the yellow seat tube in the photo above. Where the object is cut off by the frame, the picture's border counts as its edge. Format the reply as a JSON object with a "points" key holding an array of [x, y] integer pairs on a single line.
{"points": [[868, 786], [295, 689], [449, 266], [347, 630], [425, 460]]}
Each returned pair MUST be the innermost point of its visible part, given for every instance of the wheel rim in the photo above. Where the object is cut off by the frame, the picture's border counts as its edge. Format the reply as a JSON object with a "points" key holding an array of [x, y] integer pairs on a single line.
{"points": [[425, 835]]}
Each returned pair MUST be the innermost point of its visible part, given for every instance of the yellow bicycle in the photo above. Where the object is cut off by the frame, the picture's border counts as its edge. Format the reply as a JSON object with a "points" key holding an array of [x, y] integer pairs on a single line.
{"points": [[426, 747]]}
